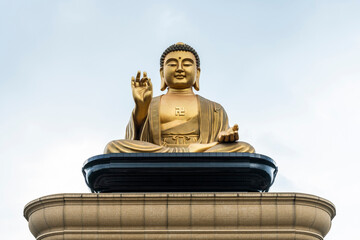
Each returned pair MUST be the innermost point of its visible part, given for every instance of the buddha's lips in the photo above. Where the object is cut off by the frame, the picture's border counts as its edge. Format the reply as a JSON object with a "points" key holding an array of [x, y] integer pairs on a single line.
{"points": [[179, 76]]}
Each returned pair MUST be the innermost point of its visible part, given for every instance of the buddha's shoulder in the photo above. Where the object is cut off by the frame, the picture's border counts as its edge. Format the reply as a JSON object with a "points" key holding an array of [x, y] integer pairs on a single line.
{"points": [[216, 106]]}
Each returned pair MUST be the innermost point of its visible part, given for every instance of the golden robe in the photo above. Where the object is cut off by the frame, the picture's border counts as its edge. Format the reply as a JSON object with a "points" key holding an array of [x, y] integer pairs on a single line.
{"points": [[212, 120]]}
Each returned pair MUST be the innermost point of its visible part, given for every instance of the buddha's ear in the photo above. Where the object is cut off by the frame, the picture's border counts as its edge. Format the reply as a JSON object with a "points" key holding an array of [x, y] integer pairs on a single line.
{"points": [[196, 84], [163, 85]]}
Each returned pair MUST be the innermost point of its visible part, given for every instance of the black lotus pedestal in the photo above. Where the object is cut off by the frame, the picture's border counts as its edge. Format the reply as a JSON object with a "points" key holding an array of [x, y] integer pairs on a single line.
{"points": [[179, 172]]}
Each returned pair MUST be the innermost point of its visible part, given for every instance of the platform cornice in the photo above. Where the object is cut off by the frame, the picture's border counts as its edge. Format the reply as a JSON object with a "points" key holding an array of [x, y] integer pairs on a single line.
{"points": [[245, 198]]}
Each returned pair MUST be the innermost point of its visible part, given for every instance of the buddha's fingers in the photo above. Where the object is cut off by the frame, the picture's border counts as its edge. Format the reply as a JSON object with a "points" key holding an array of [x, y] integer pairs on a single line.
{"points": [[144, 79], [235, 127], [221, 137], [138, 76], [132, 81], [236, 135], [231, 137], [149, 84], [137, 79], [226, 138], [143, 82]]}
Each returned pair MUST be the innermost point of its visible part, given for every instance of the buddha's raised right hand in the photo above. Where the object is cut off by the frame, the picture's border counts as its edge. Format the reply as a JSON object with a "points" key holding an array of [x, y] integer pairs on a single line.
{"points": [[142, 94]]}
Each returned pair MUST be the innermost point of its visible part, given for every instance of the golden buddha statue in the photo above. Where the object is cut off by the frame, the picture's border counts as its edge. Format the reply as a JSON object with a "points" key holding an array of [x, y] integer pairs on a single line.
{"points": [[180, 120]]}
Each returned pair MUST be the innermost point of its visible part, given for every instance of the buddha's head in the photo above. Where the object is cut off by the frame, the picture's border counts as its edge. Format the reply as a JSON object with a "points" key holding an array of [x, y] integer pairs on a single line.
{"points": [[180, 67]]}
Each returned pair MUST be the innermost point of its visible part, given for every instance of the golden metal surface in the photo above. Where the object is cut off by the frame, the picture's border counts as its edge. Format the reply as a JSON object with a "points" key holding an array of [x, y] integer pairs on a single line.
{"points": [[180, 216], [180, 120]]}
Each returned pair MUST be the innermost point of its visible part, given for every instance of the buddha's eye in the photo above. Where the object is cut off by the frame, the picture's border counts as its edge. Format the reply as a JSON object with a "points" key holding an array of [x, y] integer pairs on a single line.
{"points": [[172, 64], [187, 63]]}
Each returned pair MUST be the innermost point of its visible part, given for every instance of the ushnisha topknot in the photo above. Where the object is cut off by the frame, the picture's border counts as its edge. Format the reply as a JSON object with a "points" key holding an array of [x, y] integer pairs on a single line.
{"points": [[179, 47]]}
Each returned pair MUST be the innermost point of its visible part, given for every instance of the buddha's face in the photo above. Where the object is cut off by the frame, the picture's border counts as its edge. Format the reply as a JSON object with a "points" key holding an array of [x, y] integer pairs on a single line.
{"points": [[180, 70]]}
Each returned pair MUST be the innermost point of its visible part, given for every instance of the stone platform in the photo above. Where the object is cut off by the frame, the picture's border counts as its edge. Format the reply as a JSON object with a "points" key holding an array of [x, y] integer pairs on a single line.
{"points": [[179, 172], [179, 216]]}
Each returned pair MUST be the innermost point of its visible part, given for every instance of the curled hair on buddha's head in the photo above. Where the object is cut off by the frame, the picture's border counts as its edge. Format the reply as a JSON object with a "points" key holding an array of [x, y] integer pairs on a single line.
{"points": [[179, 47]]}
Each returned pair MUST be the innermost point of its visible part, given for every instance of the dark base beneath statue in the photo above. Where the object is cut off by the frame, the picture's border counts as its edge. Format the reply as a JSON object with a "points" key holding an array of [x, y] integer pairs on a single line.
{"points": [[179, 172]]}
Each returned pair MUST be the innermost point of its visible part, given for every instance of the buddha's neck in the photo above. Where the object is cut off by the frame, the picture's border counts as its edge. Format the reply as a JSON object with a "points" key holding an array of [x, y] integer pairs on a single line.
{"points": [[185, 91]]}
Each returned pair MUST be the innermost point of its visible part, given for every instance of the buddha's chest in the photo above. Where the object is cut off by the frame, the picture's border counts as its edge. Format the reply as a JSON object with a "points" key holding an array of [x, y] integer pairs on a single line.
{"points": [[178, 108]]}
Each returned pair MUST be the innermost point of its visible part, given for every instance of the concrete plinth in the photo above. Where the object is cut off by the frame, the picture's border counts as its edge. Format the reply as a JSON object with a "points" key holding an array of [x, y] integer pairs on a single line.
{"points": [[179, 216]]}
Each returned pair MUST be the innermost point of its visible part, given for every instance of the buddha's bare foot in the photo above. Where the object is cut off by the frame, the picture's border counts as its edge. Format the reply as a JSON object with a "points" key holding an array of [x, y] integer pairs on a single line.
{"points": [[199, 147]]}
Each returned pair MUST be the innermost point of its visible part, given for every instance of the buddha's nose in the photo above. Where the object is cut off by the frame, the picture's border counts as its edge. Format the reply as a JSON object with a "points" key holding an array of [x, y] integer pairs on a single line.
{"points": [[179, 68]]}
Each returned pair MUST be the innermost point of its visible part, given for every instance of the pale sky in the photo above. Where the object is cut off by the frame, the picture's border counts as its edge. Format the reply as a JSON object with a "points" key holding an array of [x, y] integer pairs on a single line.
{"points": [[286, 71]]}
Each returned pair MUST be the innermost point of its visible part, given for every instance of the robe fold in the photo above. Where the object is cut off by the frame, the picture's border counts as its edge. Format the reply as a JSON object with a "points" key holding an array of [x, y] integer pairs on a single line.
{"points": [[212, 116], [212, 120]]}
